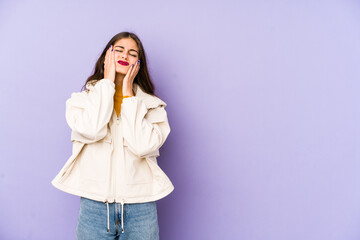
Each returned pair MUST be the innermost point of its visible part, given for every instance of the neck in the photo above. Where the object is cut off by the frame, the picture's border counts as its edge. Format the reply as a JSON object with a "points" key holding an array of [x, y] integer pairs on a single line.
{"points": [[119, 79]]}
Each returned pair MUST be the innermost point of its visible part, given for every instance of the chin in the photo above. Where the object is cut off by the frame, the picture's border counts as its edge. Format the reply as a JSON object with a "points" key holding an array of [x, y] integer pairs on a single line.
{"points": [[121, 72]]}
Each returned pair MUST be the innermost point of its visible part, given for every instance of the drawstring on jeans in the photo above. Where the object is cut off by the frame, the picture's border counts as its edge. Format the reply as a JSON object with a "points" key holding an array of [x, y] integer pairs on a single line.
{"points": [[122, 215], [108, 224]]}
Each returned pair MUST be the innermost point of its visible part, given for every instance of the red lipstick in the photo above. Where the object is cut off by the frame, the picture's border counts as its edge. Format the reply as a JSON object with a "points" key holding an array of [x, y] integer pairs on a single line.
{"points": [[123, 63]]}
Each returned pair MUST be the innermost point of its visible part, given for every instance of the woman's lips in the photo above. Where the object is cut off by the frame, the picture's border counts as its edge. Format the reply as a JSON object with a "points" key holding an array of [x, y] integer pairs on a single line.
{"points": [[123, 63]]}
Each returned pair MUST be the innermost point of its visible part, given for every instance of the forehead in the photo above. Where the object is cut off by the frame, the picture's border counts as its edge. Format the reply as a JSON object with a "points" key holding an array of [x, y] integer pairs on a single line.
{"points": [[127, 43]]}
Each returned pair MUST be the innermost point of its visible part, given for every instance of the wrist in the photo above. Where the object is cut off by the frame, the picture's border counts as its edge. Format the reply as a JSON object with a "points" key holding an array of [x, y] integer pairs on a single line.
{"points": [[110, 78], [128, 93]]}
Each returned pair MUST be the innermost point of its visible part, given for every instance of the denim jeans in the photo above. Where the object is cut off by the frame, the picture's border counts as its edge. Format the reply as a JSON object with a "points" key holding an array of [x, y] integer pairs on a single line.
{"points": [[140, 221]]}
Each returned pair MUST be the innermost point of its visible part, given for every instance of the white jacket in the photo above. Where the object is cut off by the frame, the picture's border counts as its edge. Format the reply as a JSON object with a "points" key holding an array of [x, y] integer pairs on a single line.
{"points": [[114, 158]]}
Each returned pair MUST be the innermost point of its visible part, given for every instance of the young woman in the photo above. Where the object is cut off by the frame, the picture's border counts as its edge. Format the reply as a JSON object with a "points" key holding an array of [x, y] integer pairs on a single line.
{"points": [[118, 125]]}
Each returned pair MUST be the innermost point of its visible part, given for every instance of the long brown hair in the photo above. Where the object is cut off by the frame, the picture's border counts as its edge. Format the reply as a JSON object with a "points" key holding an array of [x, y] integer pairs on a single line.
{"points": [[142, 77]]}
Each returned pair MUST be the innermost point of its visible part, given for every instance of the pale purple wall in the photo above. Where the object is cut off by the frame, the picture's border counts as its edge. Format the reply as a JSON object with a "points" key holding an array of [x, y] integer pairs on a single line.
{"points": [[263, 103]]}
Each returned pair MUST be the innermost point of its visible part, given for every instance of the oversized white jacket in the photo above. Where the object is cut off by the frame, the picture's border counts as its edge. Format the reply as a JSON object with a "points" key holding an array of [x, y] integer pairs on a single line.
{"points": [[114, 158]]}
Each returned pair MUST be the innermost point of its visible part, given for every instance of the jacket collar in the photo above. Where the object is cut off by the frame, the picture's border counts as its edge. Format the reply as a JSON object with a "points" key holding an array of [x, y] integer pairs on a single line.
{"points": [[149, 100]]}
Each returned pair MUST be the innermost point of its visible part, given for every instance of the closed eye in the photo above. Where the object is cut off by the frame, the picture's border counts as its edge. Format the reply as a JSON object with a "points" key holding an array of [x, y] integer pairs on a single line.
{"points": [[121, 51]]}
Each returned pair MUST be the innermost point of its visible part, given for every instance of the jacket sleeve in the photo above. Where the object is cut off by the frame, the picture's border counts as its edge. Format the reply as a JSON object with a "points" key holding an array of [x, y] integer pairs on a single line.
{"points": [[88, 112], [144, 130]]}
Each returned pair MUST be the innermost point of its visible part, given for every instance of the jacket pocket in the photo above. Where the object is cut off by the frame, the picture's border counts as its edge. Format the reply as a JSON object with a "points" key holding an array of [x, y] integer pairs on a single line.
{"points": [[137, 169], [95, 161], [107, 139], [154, 153], [69, 165]]}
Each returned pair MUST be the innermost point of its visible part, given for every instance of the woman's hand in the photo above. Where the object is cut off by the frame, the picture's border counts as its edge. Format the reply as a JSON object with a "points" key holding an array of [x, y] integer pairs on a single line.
{"points": [[129, 79], [109, 64]]}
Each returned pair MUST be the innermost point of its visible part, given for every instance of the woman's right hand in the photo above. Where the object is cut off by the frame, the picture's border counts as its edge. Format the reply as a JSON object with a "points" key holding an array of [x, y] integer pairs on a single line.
{"points": [[109, 64]]}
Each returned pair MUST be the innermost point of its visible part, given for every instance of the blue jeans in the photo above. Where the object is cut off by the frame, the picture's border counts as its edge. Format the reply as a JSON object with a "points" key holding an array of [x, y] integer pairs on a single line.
{"points": [[140, 221]]}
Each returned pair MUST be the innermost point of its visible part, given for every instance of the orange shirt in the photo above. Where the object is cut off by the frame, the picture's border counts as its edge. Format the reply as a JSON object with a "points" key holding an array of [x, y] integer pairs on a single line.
{"points": [[118, 97]]}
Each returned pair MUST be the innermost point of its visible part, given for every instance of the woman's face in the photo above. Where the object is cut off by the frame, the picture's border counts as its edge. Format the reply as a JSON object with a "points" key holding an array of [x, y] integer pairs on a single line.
{"points": [[126, 53]]}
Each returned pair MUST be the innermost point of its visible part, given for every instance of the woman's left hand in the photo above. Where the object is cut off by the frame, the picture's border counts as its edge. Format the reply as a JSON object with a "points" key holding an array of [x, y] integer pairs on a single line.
{"points": [[129, 79]]}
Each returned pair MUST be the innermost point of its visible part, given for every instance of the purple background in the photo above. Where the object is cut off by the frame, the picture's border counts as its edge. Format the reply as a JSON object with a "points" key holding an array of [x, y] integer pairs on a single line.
{"points": [[263, 104]]}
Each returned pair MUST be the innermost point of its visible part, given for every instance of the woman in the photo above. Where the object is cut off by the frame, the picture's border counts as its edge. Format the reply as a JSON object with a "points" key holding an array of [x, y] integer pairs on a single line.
{"points": [[118, 125]]}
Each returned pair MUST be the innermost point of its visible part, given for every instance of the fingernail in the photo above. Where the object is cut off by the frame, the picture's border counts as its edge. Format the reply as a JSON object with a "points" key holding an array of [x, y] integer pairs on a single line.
{"points": [[132, 65], [138, 61]]}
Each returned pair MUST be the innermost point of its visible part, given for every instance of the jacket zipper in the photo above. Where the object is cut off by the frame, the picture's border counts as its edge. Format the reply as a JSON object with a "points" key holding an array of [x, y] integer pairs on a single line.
{"points": [[112, 171], [117, 123]]}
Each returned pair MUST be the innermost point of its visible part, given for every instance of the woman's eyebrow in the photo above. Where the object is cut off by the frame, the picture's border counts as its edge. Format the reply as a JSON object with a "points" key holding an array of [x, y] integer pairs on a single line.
{"points": [[129, 50]]}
